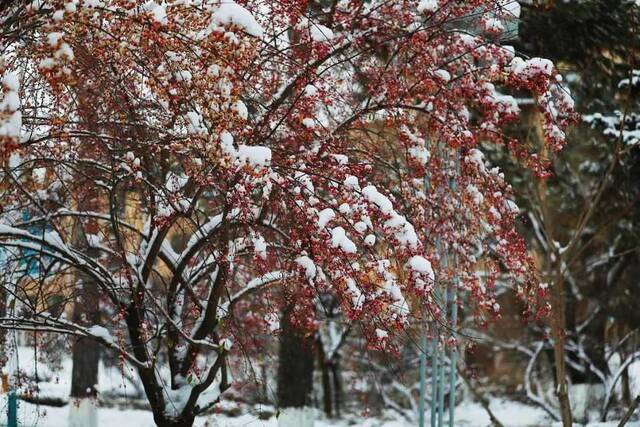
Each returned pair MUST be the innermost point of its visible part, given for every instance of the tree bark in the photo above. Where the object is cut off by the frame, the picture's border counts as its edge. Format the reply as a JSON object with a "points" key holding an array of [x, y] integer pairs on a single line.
{"points": [[295, 368], [626, 387], [327, 392], [86, 311], [85, 357], [337, 387], [86, 352], [558, 324]]}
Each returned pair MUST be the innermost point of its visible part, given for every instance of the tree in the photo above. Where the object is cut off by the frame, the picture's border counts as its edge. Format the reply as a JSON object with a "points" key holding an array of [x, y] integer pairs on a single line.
{"points": [[578, 222], [232, 159]]}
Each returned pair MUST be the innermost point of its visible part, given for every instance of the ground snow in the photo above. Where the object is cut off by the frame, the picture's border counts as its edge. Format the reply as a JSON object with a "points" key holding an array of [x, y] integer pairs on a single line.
{"points": [[58, 381], [83, 413], [468, 414]]}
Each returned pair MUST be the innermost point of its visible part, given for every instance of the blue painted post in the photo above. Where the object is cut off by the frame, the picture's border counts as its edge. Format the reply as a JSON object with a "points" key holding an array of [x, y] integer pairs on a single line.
{"points": [[441, 371], [434, 381], [442, 353], [426, 349], [423, 377], [12, 410], [437, 364], [454, 358], [454, 320]]}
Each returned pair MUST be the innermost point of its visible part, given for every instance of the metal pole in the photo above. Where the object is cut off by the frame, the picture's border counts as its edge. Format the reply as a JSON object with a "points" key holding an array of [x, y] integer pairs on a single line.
{"points": [[12, 410], [11, 347], [434, 380], [423, 357], [423, 378], [437, 358], [441, 354], [12, 365], [454, 316], [454, 356], [441, 374]]}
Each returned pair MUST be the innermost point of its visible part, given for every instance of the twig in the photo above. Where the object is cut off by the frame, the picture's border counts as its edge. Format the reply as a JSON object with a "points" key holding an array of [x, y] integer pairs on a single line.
{"points": [[484, 402], [630, 411]]}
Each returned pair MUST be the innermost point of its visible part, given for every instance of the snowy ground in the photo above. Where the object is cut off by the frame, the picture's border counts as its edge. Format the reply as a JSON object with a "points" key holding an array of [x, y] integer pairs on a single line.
{"points": [[511, 414], [56, 384]]}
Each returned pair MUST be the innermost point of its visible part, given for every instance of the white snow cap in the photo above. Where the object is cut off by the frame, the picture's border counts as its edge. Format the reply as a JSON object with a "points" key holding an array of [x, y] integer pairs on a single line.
{"points": [[351, 182], [241, 109], [158, 12], [308, 265], [310, 90], [340, 240], [403, 230], [370, 240], [380, 200], [422, 266], [226, 141], [476, 156], [255, 155], [381, 334], [54, 38], [531, 67], [230, 12], [308, 122], [100, 332], [10, 126], [320, 33], [259, 246], [475, 194], [428, 6], [443, 75], [11, 81], [324, 216]]}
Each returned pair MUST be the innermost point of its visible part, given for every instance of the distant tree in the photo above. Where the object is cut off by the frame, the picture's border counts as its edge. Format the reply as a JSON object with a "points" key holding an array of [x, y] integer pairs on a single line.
{"points": [[581, 222]]}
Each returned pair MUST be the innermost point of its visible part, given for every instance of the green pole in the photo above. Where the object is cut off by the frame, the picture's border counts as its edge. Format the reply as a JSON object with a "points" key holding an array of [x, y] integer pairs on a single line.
{"points": [[454, 317], [434, 380], [12, 410], [441, 353], [454, 357], [437, 373], [423, 378], [441, 373]]}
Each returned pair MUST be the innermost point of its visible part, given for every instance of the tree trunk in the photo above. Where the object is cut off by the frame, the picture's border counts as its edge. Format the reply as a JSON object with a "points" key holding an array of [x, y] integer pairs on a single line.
{"points": [[626, 387], [327, 391], [84, 376], [558, 324], [337, 387], [558, 321], [175, 422], [295, 374], [86, 356], [86, 352]]}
